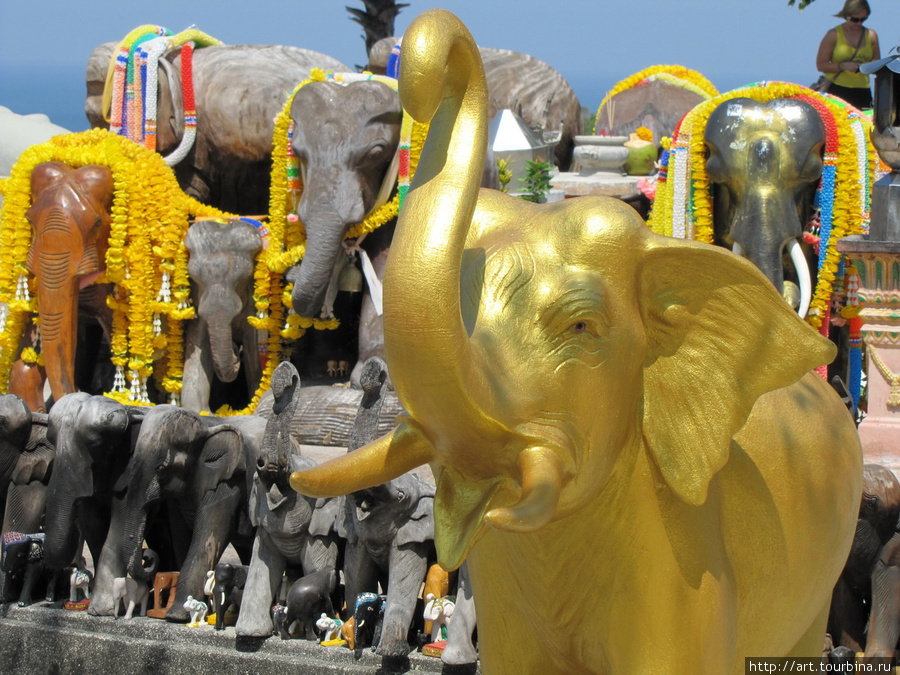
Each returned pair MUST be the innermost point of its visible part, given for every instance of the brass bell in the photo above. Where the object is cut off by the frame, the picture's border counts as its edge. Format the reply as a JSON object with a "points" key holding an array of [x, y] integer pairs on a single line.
{"points": [[350, 279]]}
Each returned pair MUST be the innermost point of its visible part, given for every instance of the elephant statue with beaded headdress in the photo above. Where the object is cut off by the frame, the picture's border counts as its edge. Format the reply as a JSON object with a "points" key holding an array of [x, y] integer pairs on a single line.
{"points": [[220, 147], [778, 173], [574, 379]]}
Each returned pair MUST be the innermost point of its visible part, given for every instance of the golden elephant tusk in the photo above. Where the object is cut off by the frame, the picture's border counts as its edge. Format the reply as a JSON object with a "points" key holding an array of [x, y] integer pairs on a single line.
{"points": [[385, 458]]}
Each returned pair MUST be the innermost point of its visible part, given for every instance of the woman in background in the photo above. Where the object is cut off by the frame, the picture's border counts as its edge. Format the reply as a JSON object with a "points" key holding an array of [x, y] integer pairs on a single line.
{"points": [[844, 49]]}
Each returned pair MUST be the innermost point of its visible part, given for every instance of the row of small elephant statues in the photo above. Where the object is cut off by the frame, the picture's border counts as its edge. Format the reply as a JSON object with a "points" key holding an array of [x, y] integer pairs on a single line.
{"points": [[115, 476]]}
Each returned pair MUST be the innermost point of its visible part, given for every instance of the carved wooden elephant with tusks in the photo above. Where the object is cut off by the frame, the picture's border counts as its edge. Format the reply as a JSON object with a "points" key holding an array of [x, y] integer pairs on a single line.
{"points": [[219, 343], [574, 379]]}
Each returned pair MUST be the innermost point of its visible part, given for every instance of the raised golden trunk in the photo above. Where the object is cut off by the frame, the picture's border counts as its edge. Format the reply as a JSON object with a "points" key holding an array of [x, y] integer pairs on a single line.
{"points": [[426, 342]]}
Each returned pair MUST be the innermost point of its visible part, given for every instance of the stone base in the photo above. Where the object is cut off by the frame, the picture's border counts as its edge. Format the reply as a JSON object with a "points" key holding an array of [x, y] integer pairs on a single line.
{"points": [[42, 638], [602, 183]]}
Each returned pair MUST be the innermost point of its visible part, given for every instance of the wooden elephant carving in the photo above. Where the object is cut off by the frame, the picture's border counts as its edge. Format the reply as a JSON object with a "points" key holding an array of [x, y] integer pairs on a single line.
{"points": [[70, 216]]}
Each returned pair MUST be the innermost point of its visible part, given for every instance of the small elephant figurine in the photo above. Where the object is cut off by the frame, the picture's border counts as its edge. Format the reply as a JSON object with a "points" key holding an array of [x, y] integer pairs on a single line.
{"points": [[227, 590], [331, 628], [134, 592], [308, 599], [332, 368], [23, 557], [368, 617], [197, 610], [80, 581], [439, 611]]}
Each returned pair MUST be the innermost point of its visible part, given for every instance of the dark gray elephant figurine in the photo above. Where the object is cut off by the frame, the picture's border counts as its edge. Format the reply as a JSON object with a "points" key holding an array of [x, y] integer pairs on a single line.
{"points": [[864, 613], [192, 471], [290, 528], [228, 589], [219, 343], [308, 598], [22, 559], [26, 460], [389, 529], [93, 437], [238, 90]]}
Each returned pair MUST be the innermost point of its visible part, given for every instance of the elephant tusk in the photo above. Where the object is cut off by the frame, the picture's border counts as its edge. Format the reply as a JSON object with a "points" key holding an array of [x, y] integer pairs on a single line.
{"points": [[802, 269], [542, 478], [737, 249], [382, 460]]}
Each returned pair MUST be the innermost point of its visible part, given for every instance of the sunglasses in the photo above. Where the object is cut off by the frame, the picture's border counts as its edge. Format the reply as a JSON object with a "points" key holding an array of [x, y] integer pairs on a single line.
{"points": [[856, 19]]}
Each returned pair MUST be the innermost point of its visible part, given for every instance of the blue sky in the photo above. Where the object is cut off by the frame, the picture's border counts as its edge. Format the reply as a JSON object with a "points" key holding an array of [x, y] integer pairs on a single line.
{"points": [[44, 44]]}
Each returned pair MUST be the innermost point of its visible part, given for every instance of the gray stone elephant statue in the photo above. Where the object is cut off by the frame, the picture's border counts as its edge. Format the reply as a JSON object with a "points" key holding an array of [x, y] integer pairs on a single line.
{"points": [[93, 437], [238, 89], [219, 343], [290, 529], [864, 615], [389, 529], [26, 461], [346, 139], [190, 473]]}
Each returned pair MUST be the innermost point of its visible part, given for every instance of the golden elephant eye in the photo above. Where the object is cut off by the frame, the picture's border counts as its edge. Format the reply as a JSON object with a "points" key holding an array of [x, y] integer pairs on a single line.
{"points": [[579, 327]]}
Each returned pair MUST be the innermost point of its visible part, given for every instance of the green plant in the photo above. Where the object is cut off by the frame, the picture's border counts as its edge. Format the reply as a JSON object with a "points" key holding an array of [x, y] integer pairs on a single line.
{"points": [[504, 173], [537, 180]]}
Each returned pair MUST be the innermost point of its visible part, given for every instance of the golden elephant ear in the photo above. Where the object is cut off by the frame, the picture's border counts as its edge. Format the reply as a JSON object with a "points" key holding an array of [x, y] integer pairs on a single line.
{"points": [[719, 336]]}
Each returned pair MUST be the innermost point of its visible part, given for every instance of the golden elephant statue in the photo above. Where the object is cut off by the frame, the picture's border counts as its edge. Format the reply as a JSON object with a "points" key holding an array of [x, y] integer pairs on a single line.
{"points": [[598, 401]]}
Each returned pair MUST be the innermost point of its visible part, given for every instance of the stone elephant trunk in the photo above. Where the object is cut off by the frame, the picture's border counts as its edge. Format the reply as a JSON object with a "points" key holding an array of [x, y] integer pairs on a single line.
{"points": [[325, 235], [226, 356], [71, 222]]}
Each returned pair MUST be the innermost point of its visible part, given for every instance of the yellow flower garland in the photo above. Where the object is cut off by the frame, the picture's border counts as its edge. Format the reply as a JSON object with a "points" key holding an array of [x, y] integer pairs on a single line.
{"points": [[287, 244], [673, 74], [850, 207], [150, 215]]}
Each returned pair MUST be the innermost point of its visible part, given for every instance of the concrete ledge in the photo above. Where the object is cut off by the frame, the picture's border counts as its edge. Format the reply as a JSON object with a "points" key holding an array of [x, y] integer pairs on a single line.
{"points": [[45, 639]]}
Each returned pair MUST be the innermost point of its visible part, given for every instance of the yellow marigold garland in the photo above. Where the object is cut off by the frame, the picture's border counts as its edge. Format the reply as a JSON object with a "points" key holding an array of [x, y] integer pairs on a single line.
{"points": [[287, 238], [150, 215], [849, 198], [673, 74]]}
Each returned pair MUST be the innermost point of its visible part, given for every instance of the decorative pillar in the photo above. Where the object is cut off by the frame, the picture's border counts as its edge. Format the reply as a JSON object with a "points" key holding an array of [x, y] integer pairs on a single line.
{"points": [[877, 258], [878, 264]]}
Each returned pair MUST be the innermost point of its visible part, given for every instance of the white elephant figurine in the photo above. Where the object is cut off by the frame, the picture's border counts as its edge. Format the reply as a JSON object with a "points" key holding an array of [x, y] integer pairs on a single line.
{"points": [[80, 580], [198, 610], [135, 592], [439, 611], [330, 627]]}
